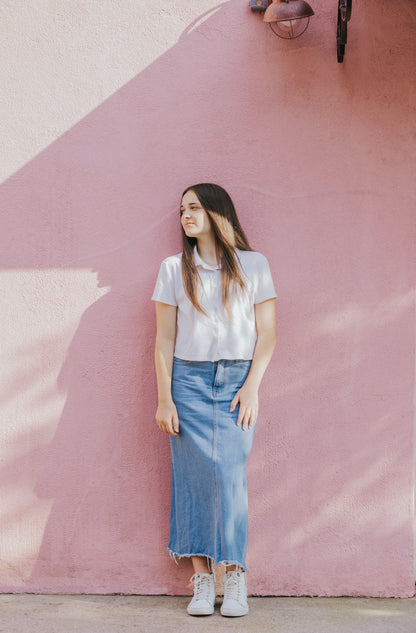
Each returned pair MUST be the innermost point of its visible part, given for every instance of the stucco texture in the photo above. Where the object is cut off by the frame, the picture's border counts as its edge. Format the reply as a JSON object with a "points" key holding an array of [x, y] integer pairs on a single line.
{"points": [[110, 109]]}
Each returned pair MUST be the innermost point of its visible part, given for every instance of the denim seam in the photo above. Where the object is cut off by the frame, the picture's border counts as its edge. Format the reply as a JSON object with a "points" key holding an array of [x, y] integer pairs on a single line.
{"points": [[214, 463]]}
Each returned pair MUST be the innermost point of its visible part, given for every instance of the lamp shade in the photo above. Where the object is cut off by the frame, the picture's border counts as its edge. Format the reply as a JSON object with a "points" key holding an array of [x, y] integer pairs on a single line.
{"points": [[288, 18], [282, 10]]}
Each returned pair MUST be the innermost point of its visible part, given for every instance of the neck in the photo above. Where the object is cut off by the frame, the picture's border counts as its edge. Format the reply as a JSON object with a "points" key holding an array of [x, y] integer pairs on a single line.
{"points": [[206, 250]]}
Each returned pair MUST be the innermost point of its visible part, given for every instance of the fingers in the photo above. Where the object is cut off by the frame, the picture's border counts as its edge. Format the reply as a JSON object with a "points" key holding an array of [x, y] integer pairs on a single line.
{"points": [[248, 407], [246, 417], [175, 423], [234, 401], [249, 417], [253, 418], [241, 414], [252, 421], [166, 428], [167, 418], [171, 428]]}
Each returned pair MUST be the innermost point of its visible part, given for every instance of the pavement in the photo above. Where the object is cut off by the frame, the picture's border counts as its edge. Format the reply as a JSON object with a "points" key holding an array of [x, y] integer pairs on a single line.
{"points": [[28, 613]]}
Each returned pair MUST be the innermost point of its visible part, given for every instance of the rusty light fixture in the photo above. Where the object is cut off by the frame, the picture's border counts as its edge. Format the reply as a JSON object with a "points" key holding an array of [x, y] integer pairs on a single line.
{"points": [[287, 18]]}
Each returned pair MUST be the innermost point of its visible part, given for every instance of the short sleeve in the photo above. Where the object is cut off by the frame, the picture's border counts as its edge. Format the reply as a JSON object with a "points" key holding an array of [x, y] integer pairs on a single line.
{"points": [[264, 287], [165, 285]]}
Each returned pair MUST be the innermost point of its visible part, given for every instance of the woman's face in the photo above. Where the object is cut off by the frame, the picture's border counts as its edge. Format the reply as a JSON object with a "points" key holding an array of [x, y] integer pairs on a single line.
{"points": [[194, 219]]}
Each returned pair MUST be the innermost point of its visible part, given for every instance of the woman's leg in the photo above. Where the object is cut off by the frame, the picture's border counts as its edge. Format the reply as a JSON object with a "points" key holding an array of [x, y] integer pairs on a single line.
{"points": [[201, 565]]}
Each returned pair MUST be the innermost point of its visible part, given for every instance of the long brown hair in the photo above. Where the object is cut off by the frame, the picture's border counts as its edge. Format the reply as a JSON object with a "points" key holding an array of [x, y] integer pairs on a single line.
{"points": [[228, 234]]}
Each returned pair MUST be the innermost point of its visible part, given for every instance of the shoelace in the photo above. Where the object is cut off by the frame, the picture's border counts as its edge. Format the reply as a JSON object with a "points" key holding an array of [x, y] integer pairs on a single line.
{"points": [[201, 586], [232, 586]]}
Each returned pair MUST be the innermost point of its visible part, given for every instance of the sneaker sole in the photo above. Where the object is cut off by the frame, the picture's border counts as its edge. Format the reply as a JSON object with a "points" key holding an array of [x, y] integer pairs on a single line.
{"points": [[202, 613], [233, 614]]}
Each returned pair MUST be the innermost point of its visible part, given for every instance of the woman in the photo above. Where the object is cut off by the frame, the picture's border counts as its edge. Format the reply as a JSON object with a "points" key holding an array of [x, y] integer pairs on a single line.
{"points": [[215, 313]]}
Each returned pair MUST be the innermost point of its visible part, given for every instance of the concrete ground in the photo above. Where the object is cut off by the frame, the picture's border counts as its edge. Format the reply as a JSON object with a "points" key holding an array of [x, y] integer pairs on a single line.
{"points": [[23, 613]]}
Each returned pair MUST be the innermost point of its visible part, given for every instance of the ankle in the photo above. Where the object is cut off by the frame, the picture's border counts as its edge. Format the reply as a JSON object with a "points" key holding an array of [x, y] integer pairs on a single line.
{"points": [[201, 565]]}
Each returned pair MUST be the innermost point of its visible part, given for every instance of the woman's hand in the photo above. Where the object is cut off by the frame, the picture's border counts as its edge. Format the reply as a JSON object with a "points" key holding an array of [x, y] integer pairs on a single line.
{"points": [[247, 398], [167, 418]]}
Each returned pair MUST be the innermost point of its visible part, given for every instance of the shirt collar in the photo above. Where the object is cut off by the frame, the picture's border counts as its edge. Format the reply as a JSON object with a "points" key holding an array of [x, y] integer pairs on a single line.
{"points": [[200, 262]]}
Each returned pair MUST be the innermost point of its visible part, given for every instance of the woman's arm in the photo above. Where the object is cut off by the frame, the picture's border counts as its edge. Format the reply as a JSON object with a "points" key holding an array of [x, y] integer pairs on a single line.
{"points": [[166, 414], [247, 396]]}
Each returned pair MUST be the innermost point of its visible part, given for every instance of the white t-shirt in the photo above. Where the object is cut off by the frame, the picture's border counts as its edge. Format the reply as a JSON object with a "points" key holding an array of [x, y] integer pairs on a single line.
{"points": [[216, 335]]}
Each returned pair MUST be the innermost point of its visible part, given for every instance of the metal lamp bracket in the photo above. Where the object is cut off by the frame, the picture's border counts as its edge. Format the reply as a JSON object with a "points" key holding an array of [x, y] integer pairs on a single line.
{"points": [[344, 15]]}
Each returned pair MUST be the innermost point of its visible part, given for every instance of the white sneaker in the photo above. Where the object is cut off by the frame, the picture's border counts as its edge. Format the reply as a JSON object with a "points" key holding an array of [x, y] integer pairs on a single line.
{"points": [[235, 594], [204, 595]]}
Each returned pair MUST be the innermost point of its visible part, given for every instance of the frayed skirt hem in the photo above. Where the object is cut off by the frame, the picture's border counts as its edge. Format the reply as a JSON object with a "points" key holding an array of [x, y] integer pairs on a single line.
{"points": [[210, 561]]}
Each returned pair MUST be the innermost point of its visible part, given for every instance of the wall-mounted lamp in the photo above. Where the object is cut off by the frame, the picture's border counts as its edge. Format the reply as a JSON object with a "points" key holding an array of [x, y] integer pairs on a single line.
{"points": [[287, 18]]}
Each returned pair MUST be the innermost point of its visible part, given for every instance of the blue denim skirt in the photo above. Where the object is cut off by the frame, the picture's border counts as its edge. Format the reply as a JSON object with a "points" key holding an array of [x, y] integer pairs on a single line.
{"points": [[209, 513]]}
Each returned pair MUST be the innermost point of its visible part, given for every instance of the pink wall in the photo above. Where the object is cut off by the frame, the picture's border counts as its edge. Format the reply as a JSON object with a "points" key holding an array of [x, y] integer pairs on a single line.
{"points": [[111, 110]]}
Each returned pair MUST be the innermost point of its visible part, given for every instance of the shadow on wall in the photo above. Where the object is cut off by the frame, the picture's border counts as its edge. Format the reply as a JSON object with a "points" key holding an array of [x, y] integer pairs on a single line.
{"points": [[104, 198]]}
